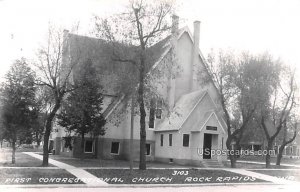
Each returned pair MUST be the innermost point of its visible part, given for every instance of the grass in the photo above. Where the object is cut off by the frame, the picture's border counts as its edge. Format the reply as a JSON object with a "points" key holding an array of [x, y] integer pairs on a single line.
{"points": [[273, 159], [163, 176], [22, 160], [293, 175], [255, 166], [109, 163], [10, 176]]}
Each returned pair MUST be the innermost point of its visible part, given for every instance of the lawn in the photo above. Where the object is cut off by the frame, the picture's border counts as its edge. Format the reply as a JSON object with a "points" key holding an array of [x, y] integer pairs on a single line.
{"points": [[10, 176], [255, 166], [273, 159], [110, 163], [22, 160], [293, 175], [170, 176]]}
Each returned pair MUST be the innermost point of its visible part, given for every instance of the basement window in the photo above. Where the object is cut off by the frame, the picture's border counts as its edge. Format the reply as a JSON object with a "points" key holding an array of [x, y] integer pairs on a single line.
{"points": [[115, 148], [88, 146]]}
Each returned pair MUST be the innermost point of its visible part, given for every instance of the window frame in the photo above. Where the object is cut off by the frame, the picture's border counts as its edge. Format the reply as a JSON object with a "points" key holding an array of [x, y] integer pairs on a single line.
{"points": [[161, 140], [87, 140], [149, 149], [188, 140], [159, 106], [152, 113], [112, 146], [170, 140]]}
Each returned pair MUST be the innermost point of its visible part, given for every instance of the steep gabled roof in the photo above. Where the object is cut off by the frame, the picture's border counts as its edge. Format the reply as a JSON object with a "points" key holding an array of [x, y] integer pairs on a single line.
{"points": [[182, 110], [112, 74], [203, 121]]}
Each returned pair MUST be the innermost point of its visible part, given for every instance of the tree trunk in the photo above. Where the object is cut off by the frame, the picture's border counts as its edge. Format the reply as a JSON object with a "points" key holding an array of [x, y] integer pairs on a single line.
{"points": [[285, 142], [82, 146], [231, 150], [13, 157], [279, 156], [38, 141], [142, 164], [232, 156], [49, 120], [131, 134], [268, 156], [45, 147], [232, 161]]}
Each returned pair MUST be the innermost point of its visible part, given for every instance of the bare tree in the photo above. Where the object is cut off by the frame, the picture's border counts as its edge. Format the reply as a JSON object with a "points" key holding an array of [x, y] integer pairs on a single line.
{"points": [[238, 80], [130, 35], [276, 113], [54, 72], [286, 139]]}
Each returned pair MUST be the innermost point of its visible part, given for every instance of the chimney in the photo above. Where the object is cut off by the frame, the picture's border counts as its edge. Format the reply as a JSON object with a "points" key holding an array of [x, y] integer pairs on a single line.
{"points": [[171, 82], [194, 55], [175, 21], [196, 34], [65, 40]]}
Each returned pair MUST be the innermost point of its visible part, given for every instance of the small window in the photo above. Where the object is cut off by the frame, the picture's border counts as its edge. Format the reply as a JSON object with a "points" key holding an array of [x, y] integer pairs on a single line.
{"points": [[186, 140], [115, 148], [148, 149], [158, 109], [161, 140], [170, 139], [152, 113], [212, 128], [88, 146]]}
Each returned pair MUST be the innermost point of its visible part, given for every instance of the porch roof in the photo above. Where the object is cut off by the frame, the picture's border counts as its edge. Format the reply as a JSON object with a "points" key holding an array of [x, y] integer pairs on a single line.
{"points": [[206, 117]]}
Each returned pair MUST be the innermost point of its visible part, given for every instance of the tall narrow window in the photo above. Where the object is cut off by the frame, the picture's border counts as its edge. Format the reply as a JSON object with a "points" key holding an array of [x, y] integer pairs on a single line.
{"points": [[159, 108], [186, 140], [152, 113], [170, 139], [148, 148], [161, 140]]}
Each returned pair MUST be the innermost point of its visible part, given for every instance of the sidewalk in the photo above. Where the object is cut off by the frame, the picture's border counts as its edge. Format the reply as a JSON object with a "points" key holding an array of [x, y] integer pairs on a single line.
{"points": [[90, 179], [90, 164], [265, 177]]}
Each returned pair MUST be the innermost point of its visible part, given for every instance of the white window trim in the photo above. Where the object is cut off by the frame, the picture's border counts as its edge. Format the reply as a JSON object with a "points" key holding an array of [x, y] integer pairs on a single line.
{"points": [[118, 148], [172, 140], [189, 139], [93, 146], [162, 140]]}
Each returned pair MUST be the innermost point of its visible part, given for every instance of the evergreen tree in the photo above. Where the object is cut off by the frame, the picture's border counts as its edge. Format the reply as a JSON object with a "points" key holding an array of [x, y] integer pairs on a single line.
{"points": [[81, 113], [18, 98]]}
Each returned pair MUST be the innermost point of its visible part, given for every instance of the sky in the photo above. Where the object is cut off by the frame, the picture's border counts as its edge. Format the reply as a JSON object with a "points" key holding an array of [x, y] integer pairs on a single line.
{"points": [[241, 25]]}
